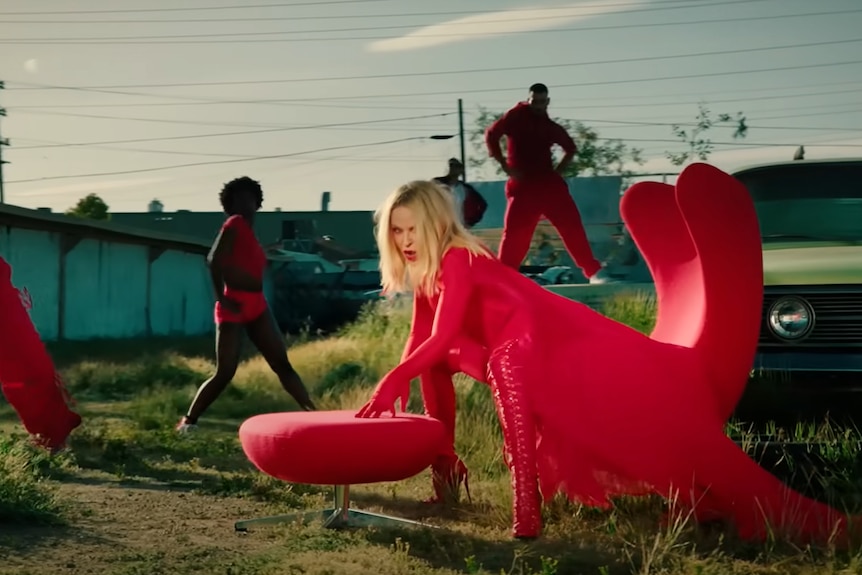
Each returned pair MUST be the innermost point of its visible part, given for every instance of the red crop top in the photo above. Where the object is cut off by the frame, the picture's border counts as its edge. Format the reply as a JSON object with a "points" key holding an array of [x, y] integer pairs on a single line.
{"points": [[247, 253]]}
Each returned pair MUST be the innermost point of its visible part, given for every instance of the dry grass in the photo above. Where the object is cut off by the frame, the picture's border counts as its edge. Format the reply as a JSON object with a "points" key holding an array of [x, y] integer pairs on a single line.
{"points": [[133, 498]]}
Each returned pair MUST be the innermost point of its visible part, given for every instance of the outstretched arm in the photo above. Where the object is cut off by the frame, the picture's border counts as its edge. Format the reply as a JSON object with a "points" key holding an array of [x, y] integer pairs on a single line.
{"points": [[433, 352]]}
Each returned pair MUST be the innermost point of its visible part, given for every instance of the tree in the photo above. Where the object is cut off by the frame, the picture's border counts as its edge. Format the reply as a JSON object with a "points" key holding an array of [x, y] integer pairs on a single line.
{"points": [[90, 207], [596, 156], [698, 146]]}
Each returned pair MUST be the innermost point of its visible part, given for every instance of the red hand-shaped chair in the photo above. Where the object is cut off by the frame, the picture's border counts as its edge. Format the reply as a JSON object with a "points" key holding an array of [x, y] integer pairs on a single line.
{"points": [[337, 448]]}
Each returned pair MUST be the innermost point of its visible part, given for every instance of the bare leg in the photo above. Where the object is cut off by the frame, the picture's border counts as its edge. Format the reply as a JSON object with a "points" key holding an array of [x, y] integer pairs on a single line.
{"points": [[227, 358], [269, 342]]}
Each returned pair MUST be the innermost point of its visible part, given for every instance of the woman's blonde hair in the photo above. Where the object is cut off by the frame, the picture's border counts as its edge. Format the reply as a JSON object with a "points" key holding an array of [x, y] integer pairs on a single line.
{"points": [[438, 228]]}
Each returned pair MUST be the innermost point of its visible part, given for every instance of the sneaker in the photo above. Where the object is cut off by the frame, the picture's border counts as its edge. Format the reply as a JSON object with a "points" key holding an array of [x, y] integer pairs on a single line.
{"points": [[601, 277], [185, 427]]}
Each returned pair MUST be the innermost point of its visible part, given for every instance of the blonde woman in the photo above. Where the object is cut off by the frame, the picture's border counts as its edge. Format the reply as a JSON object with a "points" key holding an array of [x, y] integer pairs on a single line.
{"points": [[587, 406]]}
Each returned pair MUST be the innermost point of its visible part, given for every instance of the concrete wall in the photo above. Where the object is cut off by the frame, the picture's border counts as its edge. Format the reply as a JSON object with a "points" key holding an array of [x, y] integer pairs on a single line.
{"points": [[84, 288]]}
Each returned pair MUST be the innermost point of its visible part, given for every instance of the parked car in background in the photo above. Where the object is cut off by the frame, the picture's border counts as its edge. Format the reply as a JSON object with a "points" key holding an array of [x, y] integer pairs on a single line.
{"points": [[810, 214]]}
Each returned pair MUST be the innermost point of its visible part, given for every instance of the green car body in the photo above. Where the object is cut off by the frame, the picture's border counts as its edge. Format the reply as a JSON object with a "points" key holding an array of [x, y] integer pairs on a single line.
{"points": [[810, 215]]}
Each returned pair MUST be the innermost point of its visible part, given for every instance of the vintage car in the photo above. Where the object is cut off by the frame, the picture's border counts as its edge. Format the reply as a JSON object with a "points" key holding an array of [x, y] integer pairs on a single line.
{"points": [[810, 214]]}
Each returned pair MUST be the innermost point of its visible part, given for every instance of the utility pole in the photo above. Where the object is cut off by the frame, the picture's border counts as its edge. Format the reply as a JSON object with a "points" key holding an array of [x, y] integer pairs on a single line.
{"points": [[461, 136], [3, 142]]}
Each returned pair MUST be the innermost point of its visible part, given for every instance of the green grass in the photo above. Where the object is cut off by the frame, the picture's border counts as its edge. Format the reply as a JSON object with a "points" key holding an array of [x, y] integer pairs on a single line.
{"points": [[133, 497]]}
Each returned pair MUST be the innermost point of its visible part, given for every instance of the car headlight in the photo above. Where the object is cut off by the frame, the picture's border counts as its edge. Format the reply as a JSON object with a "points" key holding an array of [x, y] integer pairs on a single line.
{"points": [[790, 318]]}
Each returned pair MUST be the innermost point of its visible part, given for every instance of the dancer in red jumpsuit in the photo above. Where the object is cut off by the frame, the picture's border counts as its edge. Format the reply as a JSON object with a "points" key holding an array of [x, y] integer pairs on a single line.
{"points": [[575, 418], [237, 263], [28, 378], [535, 187]]}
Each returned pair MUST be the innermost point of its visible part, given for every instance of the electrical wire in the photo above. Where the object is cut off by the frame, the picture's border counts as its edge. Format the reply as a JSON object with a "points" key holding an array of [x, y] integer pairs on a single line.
{"points": [[282, 156], [34, 86], [297, 17], [440, 106], [521, 88], [367, 28], [233, 7], [219, 38], [232, 161], [242, 133], [348, 125], [222, 155]]}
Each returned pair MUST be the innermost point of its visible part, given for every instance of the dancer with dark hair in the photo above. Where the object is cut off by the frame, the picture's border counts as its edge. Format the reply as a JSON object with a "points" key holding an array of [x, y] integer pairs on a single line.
{"points": [[237, 263], [536, 187]]}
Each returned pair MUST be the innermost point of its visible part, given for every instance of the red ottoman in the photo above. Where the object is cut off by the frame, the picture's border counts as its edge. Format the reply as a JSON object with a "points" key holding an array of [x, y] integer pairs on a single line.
{"points": [[337, 448]]}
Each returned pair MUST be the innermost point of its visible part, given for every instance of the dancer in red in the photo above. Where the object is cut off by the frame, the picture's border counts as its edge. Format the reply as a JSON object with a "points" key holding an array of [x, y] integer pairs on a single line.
{"points": [[28, 378], [575, 418], [535, 187], [237, 263]]}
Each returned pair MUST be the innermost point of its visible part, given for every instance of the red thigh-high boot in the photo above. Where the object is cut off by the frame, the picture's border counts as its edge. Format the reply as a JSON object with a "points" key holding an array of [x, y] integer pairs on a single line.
{"points": [[505, 375], [28, 379]]}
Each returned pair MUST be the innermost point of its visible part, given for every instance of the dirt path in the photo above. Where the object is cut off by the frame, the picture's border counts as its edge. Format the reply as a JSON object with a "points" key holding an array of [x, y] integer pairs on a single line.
{"points": [[116, 528]]}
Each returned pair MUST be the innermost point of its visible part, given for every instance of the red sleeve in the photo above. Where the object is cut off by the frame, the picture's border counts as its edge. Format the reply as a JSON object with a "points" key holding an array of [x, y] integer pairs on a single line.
{"points": [[420, 325], [562, 138], [496, 131], [457, 286]]}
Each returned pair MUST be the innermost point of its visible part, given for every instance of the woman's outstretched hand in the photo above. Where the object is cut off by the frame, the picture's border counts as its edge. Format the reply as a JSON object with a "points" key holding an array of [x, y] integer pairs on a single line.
{"points": [[384, 396]]}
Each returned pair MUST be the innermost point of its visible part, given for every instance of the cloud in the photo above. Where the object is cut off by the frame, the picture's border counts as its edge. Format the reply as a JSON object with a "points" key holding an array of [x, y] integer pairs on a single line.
{"points": [[502, 22], [32, 66]]}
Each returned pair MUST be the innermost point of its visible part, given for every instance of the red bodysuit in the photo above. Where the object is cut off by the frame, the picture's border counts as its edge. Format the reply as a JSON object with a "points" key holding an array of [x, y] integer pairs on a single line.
{"points": [[27, 375], [594, 409], [248, 256], [538, 191]]}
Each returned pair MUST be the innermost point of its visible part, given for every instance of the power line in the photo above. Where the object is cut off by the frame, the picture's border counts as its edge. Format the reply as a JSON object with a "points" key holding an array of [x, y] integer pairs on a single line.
{"points": [[34, 86], [347, 125], [328, 17], [221, 155], [281, 156], [583, 120], [242, 133], [278, 5], [219, 38], [193, 101], [344, 125], [601, 83], [490, 90], [369, 28], [233, 161]]}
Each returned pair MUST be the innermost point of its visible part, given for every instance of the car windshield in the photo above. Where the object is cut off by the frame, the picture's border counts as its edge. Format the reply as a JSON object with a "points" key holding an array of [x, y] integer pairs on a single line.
{"points": [[807, 201]]}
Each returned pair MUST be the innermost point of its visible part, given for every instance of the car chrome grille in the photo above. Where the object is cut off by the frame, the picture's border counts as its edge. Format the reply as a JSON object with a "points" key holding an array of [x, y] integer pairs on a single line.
{"points": [[837, 313]]}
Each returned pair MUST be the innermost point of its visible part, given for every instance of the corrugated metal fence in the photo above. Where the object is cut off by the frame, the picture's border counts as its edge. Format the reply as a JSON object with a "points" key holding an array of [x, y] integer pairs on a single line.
{"points": [[92, 280]]}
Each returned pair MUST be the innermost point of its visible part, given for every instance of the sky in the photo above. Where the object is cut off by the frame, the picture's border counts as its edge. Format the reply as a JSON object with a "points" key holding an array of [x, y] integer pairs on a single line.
{"points": [[139, 100]]}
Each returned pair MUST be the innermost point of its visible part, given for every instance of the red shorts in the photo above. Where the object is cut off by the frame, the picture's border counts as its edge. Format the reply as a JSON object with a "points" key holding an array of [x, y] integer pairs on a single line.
{"points": [[252, 305]]}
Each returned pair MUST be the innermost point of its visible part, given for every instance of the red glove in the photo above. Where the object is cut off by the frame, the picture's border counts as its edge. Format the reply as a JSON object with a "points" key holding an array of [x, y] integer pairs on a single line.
{"points": [[383, 399]]}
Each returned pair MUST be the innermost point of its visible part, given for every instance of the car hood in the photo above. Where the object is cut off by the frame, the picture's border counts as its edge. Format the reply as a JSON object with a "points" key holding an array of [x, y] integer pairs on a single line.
{"points": [[812, 263]]}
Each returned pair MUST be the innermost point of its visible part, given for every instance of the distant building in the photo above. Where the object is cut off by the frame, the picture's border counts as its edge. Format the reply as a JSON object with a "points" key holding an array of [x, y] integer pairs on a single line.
{"points": [[351, 232], [334, 235]]}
